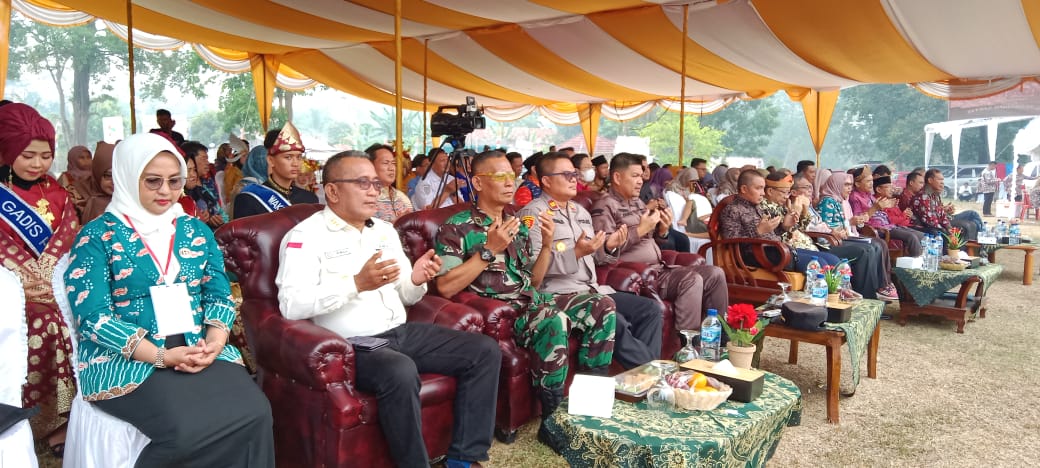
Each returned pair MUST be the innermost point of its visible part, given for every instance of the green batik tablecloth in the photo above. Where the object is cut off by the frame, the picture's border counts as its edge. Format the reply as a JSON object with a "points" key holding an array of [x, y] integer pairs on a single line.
{"points": [[734, 434], [926, 286], [858, 330]]}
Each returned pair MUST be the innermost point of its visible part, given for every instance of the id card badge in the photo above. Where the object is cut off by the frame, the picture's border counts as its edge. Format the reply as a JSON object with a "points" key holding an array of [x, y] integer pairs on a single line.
{"points": [[172, 307]]}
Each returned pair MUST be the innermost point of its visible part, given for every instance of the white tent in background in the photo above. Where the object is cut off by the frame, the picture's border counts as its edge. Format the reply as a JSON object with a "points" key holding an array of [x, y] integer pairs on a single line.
{"points": [[953, 128]]}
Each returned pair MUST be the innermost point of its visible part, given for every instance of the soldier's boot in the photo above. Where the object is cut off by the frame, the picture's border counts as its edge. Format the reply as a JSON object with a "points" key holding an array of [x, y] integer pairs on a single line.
{"points": [[550, 399]]}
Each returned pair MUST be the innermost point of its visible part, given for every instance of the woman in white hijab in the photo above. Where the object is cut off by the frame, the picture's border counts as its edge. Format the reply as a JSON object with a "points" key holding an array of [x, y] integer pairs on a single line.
{"points": [[153, 308]]}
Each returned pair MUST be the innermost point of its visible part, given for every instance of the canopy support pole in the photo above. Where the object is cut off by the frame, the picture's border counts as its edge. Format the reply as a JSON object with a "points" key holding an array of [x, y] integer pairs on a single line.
{"points": [[5, 38], [425, 89], [130, 61], [682, 85], [398, 104]]}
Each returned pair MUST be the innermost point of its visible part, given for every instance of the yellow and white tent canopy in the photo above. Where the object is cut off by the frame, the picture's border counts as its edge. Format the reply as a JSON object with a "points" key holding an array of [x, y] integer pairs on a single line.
{"points": [[592, 56]]}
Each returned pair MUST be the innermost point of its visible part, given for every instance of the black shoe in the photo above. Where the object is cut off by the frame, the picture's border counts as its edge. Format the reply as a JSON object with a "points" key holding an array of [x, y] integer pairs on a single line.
{"points": [[545, 437]]}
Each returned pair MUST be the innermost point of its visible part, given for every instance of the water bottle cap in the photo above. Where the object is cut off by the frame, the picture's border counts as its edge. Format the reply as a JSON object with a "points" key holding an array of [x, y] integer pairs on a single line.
{"points": [[819, 276], [814, 257], [712, 312]]}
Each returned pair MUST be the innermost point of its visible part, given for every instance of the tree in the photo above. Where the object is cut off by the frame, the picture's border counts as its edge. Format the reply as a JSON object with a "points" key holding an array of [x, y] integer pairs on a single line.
{"points": [[749, 125], [208, 129], [88, 53], [699, 142]]}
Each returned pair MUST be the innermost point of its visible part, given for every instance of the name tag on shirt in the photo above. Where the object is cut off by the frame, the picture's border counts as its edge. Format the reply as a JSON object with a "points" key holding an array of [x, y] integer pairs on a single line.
{"points": [[172, 306]]}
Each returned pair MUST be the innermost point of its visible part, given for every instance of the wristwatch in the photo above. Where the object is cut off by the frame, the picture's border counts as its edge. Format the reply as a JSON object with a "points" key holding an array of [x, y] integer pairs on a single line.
{"points": [[486, 254]]}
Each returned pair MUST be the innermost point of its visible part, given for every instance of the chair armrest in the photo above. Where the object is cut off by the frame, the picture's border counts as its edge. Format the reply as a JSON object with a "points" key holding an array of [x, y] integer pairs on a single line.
{"points": [[672, 257], [621, 279], [825, 236], [300, 350], [440, 311], [758, 251], [498, 315]]}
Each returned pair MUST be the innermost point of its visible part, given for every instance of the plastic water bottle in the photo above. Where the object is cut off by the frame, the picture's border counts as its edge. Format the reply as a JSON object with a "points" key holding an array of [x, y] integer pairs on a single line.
{"points": [[1002, 231], [819, 290], [845, 272], [931, 258], [811, 270], [926, 252], [1014, 235], [711, 337]]}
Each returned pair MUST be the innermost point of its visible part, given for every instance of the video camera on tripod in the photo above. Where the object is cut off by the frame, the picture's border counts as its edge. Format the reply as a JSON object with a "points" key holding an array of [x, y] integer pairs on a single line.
{"points": [[454, 127]]}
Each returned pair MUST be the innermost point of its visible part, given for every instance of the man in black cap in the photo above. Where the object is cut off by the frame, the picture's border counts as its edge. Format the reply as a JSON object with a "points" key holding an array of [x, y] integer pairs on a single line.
{"points": [[599, 184]]}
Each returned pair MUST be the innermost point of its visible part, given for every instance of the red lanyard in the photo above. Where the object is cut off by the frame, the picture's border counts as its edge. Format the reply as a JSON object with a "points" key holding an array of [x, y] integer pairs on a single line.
{"points": [[169, 253]]}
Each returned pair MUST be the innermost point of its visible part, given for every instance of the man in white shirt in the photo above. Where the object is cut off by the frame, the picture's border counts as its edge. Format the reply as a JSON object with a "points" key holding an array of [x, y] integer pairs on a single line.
{"points": [[346, 271], [428, 192]]}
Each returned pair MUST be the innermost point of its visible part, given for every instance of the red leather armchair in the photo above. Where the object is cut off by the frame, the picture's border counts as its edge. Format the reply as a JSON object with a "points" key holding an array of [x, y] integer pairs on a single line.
{"points": [[516, 401], [307, 372]]}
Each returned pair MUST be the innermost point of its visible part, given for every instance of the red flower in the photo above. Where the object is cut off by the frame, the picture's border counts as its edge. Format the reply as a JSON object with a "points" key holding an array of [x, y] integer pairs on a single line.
{"points": [[741, 316], [753, 331]]}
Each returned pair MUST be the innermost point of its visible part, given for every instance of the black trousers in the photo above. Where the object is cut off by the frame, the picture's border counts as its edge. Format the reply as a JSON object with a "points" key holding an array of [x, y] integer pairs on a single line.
{"points": [[215, 418], [392, 374], [987, 204], [637, 339]]}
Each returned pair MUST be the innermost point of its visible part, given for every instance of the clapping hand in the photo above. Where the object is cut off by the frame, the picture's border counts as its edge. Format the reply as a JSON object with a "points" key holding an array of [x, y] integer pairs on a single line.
{"points": [[501, 233], [375, 274], [768, 224], [617, 238], [666, 218], [426, 268], [649, 220], [586, 245], [547, 226]]}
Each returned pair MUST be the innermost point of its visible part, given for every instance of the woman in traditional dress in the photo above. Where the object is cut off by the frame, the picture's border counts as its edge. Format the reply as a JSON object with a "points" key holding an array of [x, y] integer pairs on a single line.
{"points": [[147, 287], [39, 222]]}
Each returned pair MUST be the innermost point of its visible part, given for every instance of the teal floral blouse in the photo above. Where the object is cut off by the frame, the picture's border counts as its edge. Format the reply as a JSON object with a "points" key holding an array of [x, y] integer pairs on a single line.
{"points": [[107, 282], [832, 213]]}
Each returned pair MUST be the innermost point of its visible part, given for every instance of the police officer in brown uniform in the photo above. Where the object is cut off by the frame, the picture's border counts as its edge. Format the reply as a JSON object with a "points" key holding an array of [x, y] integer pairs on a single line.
{"points": [[637, 339], [692, 289]]}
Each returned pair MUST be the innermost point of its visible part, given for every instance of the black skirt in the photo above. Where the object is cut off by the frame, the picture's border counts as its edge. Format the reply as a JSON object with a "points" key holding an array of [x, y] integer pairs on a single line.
{"points": [[215, 418]]}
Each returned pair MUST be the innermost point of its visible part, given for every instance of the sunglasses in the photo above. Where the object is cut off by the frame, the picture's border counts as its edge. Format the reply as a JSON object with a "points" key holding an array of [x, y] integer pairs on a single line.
{"points": [[362, 183], [571, 176], [499, 177], [156, 182]]}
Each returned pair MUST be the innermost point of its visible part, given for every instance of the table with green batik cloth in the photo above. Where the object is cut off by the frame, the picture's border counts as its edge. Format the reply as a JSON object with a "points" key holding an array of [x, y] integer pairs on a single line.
{"points": [[863, 320], [734, 434], [927, 286]]}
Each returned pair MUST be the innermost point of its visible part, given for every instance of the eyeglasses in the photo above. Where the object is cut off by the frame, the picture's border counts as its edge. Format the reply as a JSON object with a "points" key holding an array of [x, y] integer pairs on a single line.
{"points": [[362, 183], [499, 177], [155, 182], [571, 176]]}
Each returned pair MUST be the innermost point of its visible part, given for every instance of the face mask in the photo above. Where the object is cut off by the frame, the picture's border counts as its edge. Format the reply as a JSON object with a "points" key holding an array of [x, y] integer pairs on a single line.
{"points": [[588, 175]]}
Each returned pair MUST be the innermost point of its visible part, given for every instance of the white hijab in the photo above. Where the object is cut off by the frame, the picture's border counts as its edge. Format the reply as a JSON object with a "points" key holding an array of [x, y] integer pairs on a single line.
{"points": [[128, 162]]}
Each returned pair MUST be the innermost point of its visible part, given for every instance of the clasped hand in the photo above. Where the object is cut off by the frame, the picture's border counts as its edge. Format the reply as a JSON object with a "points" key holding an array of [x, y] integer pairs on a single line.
{"points": [[193, 359]]}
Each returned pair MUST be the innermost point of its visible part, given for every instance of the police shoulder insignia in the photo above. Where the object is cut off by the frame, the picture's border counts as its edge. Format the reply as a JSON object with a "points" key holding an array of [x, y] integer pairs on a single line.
{"points": [[553, 205]]}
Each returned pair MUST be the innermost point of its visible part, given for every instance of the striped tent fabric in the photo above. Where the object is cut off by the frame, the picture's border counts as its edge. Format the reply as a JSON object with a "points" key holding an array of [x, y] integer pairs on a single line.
{"points": [[518, 56]]}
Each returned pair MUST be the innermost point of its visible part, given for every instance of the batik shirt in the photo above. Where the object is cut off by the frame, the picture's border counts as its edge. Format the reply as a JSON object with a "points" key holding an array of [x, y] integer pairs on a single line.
{"points": [[508, 277], [794, 236], [928, 209]]}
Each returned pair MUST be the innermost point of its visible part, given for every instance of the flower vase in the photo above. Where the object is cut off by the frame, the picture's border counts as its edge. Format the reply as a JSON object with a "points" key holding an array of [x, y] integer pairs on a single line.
{"points": [[953, 252], [833, 298], [741, 356]]}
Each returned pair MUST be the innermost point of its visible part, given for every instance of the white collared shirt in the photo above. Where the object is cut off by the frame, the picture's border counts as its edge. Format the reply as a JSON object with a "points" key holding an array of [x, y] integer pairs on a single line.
{"points": [[317, 263], [426, 191]]}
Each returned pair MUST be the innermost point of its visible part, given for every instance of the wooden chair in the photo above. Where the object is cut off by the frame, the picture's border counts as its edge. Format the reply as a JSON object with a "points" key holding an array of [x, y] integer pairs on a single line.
{"points": [[895, 246], [750, 282]]}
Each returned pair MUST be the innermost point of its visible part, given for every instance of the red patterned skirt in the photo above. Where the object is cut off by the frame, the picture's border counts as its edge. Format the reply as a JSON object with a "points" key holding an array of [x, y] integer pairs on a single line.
{"points": [[51, 385]]}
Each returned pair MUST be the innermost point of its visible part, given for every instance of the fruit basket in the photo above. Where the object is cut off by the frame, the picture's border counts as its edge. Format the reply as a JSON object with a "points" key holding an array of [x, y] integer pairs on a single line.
{"points": [[701, 393], [953, 266]]}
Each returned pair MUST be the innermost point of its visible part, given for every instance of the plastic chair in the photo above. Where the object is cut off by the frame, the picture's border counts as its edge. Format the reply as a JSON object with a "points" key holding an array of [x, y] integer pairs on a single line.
{"points": [[16, 444], [95, 439]]}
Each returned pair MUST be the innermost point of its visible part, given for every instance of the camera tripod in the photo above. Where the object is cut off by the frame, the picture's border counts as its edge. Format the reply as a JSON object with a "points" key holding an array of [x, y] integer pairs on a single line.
{"points": [[455, 166]]}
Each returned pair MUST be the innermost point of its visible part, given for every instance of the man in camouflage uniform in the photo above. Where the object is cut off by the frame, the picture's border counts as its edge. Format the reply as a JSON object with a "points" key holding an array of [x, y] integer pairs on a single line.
{"points": [[692, 289], [490, 253], [571, 268]]}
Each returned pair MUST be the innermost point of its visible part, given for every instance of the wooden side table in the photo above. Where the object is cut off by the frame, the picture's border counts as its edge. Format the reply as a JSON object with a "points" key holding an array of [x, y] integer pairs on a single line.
{"points": [[1028, 249], [832, 340]]}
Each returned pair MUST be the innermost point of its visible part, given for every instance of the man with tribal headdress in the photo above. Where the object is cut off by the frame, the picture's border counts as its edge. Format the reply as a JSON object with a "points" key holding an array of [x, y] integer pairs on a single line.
{"points": [[284, 158]]}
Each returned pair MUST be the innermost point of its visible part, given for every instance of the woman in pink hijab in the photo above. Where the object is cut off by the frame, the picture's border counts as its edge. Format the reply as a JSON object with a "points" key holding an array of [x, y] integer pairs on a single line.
{"points": [[875, 281]]}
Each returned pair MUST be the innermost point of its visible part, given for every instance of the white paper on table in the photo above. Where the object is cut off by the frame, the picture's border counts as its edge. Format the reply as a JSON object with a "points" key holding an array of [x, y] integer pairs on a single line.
{"points": [[591, 395]]}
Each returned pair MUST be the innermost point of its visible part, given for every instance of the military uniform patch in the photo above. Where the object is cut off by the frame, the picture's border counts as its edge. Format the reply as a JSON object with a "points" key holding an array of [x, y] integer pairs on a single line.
{"points": [[528, 221]]}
